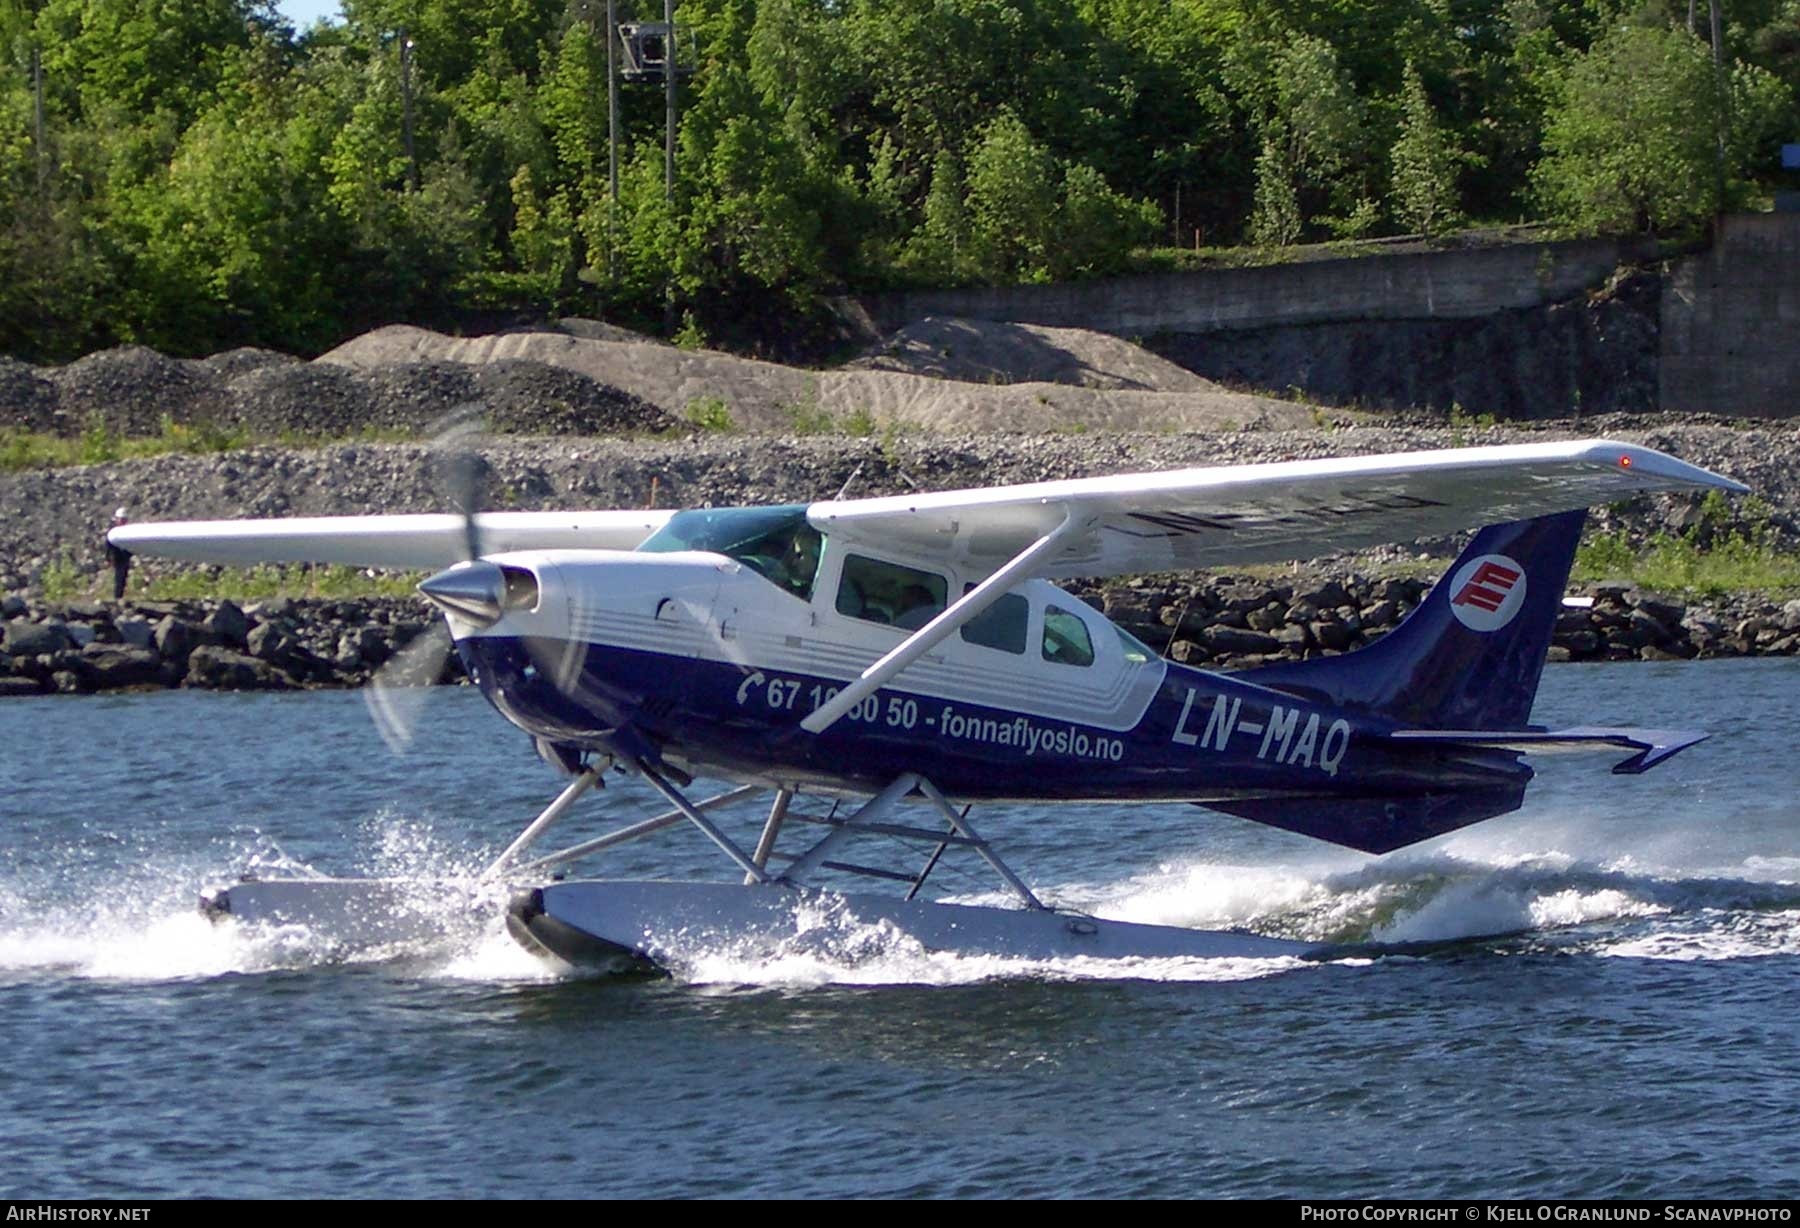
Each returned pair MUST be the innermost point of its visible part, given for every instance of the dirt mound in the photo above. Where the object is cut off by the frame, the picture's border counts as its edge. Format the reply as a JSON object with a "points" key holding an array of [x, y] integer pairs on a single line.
{"points": [[596, 330], [132, 388], [994, 352], [767, 397]]}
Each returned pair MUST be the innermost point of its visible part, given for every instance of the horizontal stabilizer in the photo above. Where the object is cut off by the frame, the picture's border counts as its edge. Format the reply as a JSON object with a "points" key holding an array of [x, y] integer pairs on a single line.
{"points": [[1652, 746]]}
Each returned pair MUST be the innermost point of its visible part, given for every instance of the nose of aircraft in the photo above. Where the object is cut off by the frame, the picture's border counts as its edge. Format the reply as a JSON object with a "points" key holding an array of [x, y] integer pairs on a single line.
{"points": [[474, 592]]}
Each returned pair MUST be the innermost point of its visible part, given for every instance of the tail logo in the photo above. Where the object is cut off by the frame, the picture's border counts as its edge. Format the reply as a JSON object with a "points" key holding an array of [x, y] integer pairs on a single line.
{"points": [[1486, 593]]}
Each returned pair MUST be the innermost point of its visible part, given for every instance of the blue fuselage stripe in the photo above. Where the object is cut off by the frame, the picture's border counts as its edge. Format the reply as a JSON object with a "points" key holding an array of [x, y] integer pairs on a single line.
{"points": [[1204, 736]]}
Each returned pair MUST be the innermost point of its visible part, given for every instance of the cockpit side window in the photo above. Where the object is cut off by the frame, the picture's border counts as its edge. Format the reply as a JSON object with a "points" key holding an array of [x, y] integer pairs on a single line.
{"points": [[890, 593], [1066, 639], [775, 542]]}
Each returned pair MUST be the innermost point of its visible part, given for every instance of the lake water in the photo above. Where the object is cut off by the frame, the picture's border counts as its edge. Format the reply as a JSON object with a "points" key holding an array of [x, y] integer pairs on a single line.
{"points": [[1596, 996]]}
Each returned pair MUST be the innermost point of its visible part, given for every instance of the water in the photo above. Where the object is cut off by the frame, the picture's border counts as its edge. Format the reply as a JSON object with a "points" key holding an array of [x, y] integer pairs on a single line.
{"points": [[1595, 996]]}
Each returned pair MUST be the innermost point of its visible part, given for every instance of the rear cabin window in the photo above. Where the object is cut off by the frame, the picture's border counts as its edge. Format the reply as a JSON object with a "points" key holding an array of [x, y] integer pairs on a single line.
{"points": [[1002, 625], [889, 593], [1136, 651], [1066, 638]]}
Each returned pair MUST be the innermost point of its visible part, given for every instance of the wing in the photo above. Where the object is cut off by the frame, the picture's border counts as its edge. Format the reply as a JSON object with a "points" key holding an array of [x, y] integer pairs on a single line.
{"points": [[409, 543], [1236, 514]]}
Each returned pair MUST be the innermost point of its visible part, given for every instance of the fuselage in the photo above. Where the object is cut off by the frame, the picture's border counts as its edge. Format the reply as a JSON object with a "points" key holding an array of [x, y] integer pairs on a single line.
{"points": [[711, 662]]}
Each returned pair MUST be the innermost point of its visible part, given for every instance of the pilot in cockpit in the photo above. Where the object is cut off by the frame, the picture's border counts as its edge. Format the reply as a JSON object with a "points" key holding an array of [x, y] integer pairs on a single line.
{"points": [[802, 561]]}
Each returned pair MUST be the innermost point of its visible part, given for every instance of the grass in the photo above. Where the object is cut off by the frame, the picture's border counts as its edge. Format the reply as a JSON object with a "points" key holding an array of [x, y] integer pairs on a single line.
{"points": [[267, 580], [1739, 554], [62, 581], [711, 414], [100, 445], [808, 418], [1678, 565]]}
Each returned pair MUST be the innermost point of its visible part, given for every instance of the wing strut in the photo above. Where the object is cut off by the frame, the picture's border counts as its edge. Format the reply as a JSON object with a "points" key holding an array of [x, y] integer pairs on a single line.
{"points": [[940, 628]]}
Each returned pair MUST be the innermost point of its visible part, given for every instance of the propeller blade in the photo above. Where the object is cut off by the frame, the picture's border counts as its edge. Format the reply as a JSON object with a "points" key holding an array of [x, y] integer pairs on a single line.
{"points": [[462, 471], [395, 695]]}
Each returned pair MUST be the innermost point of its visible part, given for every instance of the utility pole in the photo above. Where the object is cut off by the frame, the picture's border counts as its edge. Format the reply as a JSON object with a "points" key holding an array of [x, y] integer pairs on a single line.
{"points": [[37, 119], [669, 75], [1722, 101], [406, 111], [612, 137]]}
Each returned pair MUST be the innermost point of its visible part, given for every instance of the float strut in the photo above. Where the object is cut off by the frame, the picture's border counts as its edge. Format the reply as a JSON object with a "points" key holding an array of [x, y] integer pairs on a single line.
{"points": [[588, 778]]}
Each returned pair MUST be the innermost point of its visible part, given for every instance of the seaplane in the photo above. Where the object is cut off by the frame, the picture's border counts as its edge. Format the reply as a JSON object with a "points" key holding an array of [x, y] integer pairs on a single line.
{"points": [[908, 658]]}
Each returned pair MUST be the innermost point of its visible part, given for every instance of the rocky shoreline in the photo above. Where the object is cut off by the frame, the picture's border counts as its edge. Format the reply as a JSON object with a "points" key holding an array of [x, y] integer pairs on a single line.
{"points": [[559, 446], [56, 518], [1223, 622]]}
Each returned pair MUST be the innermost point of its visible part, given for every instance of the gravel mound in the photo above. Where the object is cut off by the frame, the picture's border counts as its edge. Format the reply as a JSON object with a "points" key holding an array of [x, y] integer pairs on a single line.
{"points": [[595, 330], [773, 399], [535, 398], [230, 364], [27, 399], [309, 397], [132, 388]]}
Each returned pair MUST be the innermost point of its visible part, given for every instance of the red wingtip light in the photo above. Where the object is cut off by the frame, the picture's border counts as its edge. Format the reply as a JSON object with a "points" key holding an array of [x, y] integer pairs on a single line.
{"points": [[1624, 462]]}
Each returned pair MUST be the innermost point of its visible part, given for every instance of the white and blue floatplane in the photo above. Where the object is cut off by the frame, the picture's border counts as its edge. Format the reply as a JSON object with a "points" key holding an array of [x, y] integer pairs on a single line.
{"points": [[914, 655]]}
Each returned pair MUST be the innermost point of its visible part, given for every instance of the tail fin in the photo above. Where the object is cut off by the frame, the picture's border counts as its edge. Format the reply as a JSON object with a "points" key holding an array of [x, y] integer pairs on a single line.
{"points": [[1470, 656]]}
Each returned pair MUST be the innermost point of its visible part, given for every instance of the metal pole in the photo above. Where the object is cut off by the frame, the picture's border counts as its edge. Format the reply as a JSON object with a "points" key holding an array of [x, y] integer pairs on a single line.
{"points": [[612, 135], [1722, 98], [961, 824], [554, 811], [726, 844], [636, 830], [406, 110], [669, 102], [765, 843], [669, 75]]}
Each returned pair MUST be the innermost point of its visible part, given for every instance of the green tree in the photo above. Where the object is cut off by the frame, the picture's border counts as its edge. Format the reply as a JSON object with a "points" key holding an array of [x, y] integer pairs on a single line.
{"points": [[1425, 164], [1012, 186], [1099, 226], [1276, 220], [939, 250], [1631, 142]]}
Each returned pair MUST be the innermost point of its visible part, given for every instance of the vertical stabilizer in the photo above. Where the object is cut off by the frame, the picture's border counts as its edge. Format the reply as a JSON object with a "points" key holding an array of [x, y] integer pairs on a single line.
{"points": [[1470, 656]]}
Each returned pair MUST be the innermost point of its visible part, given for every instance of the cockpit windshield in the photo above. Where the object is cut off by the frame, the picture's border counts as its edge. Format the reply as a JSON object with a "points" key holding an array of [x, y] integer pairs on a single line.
{"points": [[775, 542]]}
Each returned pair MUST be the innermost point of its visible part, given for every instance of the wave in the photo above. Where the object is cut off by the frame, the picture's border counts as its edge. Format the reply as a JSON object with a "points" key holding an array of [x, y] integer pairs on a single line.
{"points": [[144, 925]]}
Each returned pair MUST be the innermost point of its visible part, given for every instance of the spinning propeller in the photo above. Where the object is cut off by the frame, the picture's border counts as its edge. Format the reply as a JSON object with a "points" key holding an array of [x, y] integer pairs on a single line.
{"points": [[472, 589]]}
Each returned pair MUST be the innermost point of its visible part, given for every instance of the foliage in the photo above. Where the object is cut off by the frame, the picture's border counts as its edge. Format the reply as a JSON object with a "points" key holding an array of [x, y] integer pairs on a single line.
{"points": [[1679, 565], [1425, 164], [1642, 135], [711, 414], [1725, 550], [200, 175], [1276, 222]]}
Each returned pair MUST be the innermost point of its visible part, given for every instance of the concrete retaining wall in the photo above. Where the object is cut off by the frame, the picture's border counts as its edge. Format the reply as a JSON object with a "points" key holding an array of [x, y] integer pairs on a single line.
{"points": [[1517, 330], [1731, 321], [1440, 285]]}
